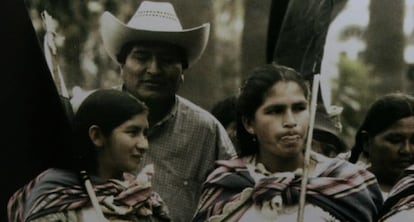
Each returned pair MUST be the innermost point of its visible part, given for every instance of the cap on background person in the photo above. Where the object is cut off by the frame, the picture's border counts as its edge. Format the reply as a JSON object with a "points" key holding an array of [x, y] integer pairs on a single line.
{"points": [[327, 132]]}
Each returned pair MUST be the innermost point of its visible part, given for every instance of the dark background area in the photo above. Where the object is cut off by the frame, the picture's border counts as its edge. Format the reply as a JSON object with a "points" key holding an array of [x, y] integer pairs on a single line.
{"points": [[34, 126]]}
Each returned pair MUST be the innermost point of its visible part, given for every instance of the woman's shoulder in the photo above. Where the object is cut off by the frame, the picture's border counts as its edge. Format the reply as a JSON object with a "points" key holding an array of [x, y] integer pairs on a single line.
{"points": [[338, 167], [27, 197], [401, 197], [239, 162], [226, 168], [56, 177]]}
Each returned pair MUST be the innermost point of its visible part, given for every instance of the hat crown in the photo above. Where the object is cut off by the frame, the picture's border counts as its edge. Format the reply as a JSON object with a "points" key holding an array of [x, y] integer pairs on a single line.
{"points": [[155, 16]]}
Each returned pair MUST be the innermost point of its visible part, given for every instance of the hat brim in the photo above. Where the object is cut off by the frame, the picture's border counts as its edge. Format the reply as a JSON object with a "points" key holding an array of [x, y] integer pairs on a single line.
{"points": [[115, 34]]}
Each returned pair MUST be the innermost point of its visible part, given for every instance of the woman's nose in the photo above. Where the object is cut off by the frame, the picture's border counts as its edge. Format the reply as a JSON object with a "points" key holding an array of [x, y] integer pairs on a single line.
{"points": [[407, 148], [289, 120], [142, 144]]}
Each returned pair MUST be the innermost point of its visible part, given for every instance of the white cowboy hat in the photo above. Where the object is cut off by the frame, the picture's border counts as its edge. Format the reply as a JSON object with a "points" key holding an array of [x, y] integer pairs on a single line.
{"points": [[154, 21]]}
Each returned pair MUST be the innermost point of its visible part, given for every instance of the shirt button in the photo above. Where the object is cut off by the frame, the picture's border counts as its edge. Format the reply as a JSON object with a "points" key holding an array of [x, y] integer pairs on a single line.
{"points": [[185, 183]]}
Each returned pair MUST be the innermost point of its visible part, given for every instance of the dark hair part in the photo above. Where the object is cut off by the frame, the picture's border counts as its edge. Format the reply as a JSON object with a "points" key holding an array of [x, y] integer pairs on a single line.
{"points": [[382, 114], [108, 109], [254, 91], [225, 110], [126, 49]]}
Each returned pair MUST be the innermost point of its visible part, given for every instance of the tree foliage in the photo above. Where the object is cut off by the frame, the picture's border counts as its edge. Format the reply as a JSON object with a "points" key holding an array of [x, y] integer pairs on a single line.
{"points": [[86, 65], [353, 91]]}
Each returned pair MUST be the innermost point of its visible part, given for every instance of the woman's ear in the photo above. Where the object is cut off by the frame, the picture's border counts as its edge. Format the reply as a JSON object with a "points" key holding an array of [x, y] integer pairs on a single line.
{"points": [[247, 123], [96, 136]]}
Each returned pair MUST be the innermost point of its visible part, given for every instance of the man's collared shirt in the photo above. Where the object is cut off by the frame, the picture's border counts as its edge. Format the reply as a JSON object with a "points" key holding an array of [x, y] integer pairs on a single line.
{"points": [[183, 147]]}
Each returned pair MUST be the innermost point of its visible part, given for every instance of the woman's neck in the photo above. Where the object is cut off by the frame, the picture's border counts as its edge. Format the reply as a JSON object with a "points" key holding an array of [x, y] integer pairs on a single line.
{"points": [[107, 174], [104, 171], [275, 163]]}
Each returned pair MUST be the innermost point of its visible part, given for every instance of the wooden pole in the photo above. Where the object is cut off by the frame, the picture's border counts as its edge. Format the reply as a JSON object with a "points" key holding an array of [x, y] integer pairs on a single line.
{"points": [[313, 104], [50, 51]]}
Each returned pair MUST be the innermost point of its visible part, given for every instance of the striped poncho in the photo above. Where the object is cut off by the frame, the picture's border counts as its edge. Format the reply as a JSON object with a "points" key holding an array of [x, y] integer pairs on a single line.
{"points": [[401, 196], [59, 193], [345, 191]]}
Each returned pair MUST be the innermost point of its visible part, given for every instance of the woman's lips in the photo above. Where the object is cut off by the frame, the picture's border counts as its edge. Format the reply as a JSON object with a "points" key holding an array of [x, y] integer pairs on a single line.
{"points": [[288, 139]]}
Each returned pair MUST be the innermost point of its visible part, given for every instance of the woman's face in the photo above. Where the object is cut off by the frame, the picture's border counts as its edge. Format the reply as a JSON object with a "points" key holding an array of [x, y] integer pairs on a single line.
{"points": [[124, 148], [281, 122], [392, 150]]}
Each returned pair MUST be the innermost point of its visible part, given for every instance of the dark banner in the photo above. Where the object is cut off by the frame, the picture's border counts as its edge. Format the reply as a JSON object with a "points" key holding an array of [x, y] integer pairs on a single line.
{"points": [[298, 41], [34, 125]]}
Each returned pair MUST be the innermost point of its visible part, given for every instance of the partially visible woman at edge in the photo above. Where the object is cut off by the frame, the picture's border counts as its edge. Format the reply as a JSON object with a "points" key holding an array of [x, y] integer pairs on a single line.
{"points": [[384, 143], [109, 142], [399, 206], [263, 184]]}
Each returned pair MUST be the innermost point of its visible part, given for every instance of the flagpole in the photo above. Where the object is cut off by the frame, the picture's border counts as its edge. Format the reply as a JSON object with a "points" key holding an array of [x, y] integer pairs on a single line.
{"points": [[50, 51], [313, 104]]}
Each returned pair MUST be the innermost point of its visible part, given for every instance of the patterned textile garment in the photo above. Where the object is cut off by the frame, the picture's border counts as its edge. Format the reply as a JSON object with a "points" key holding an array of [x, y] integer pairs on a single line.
{"points": [[58, 195], [337, 190], [183, 148], [399, 206]]}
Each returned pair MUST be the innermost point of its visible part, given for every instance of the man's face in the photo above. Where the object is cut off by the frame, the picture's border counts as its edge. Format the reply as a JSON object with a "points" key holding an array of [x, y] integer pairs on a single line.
{"points": [[152, 70]]}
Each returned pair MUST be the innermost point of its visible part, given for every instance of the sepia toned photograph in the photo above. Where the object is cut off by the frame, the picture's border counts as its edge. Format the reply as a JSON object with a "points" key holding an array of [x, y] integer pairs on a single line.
{"points": [[215, 110]]}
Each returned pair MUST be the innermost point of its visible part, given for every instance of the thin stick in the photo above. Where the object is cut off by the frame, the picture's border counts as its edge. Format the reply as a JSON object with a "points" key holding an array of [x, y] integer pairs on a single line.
{"points": [[92, 196], [313, 104], [50, 51]]}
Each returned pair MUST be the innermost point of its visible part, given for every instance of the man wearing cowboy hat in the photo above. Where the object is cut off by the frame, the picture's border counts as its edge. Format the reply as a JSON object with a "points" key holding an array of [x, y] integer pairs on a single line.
{"points": [[153, 50]]}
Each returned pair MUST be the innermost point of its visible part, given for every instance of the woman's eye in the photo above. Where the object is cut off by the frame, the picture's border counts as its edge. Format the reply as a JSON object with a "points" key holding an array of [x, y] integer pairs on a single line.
{"points": [[299, 108], [132, 132], [276, 111], [394, 139], [137, 132]]}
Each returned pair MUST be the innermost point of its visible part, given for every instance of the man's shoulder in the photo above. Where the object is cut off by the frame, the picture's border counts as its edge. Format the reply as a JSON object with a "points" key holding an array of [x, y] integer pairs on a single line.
{"points": [[189, 108], [187, 104]]}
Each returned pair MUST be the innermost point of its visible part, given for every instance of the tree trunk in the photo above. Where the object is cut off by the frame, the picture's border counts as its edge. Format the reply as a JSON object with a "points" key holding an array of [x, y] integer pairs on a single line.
{"points": [[385, 44], [228, 17]]}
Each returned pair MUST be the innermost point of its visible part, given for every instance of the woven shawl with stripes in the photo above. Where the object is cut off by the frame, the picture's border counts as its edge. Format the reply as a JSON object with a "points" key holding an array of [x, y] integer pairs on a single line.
{"points": [[346, 191], [401, 196], [57, 190]]}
